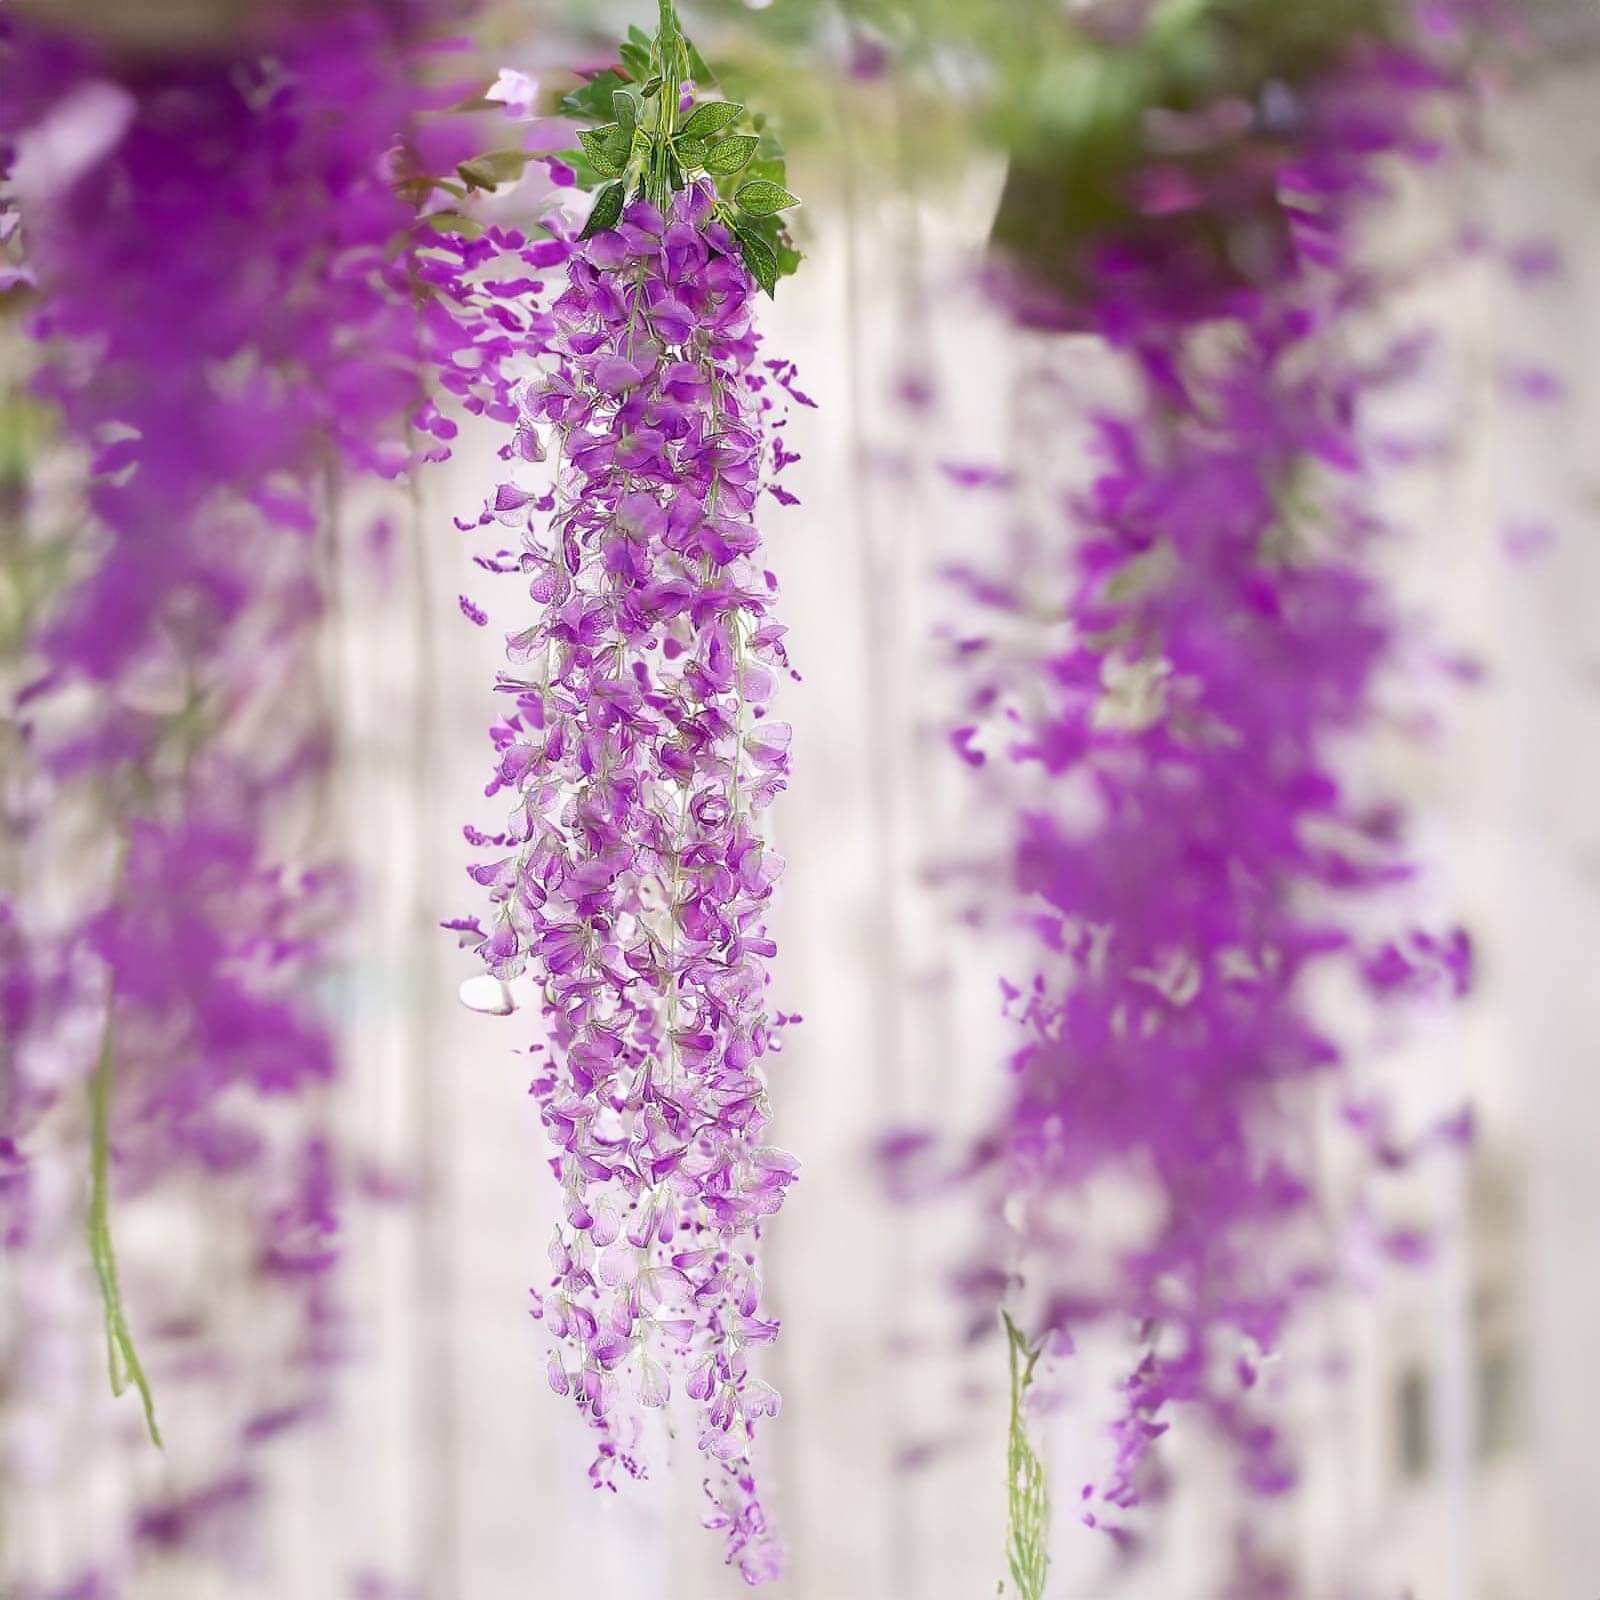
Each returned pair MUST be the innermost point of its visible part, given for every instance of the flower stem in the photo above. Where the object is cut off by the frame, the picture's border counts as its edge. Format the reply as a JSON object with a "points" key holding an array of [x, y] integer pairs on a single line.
{"points": [[1027, 1486], [669, 64], [122, 1358]]}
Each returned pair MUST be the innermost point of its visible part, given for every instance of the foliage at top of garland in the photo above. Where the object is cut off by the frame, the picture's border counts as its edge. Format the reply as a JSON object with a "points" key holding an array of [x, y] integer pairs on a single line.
{"points": [[648, 137], [1086, 169]]}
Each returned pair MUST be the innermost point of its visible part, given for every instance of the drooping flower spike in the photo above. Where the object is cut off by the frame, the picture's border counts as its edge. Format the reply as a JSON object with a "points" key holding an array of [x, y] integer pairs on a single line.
{"points": [[631, 879], [1167, 707], [228, 336]]}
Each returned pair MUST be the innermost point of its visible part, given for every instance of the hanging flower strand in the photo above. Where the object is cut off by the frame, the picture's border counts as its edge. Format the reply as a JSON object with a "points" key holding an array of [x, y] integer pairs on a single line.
{"points": [[1175, 693], [639, 757], [171, 902]]}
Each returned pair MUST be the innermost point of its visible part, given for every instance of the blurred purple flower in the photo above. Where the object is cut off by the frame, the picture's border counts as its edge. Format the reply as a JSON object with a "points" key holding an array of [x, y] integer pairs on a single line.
{"points": [[1186, 847], [228, 334]]}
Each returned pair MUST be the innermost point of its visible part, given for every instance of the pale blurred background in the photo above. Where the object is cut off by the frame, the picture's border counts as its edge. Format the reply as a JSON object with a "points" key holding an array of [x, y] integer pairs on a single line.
{"points": [[1453, 1457]]}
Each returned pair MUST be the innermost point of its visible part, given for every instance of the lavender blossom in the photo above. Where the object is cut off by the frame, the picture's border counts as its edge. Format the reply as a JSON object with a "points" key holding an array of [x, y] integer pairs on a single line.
{"points": [[631, 879]]}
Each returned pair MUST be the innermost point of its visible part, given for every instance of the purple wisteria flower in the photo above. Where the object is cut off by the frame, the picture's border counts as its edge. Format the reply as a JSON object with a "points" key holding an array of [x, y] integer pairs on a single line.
{"points": [[1189, 838], [631, 879], [232, 326]]}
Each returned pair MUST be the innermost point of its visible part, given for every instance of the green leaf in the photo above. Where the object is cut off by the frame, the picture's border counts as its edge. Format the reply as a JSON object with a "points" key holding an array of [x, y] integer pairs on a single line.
{"points": [[490, 170], [769, 168], [415, 191], [626, 110], [731, 154], [761, 198], [453, 222], [591, 102], [583, 174], [711, 117], [607, 210], [636, 58], [692, 152], [760, 259], [767, 228], [651, 89], [772, 232], [607, 149]]}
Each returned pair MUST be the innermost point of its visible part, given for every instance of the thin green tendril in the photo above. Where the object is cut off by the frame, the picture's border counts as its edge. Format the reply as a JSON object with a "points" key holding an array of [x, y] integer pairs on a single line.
{"points": [[121, 1357]]}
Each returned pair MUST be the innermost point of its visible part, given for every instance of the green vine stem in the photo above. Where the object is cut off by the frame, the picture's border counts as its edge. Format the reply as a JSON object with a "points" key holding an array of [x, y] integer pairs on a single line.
{"points": [[1027, 1487], [669, 66], [122, 1359]]}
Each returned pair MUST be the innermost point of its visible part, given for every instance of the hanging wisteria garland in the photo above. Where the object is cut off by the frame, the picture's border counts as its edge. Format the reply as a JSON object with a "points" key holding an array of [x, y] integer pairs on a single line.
{"points": [[170, 913], [632, 878], [1171, 743]]}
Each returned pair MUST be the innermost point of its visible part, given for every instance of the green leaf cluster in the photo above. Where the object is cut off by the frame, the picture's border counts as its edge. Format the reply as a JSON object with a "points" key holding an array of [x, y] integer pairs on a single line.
{"points": [[635, 141]]}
